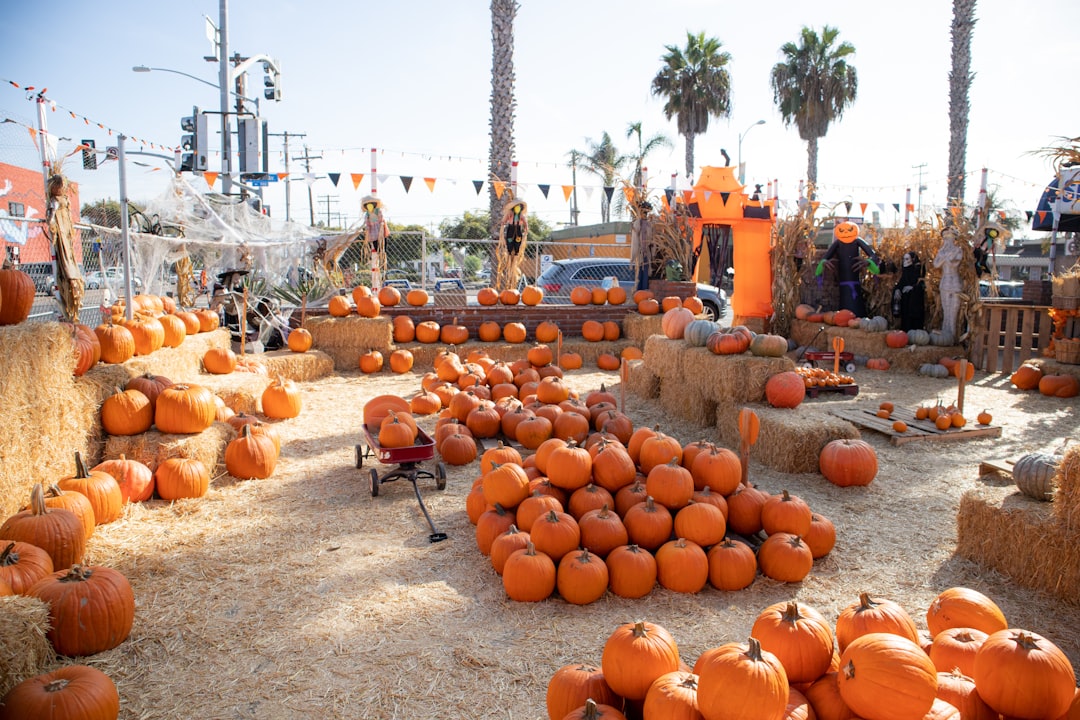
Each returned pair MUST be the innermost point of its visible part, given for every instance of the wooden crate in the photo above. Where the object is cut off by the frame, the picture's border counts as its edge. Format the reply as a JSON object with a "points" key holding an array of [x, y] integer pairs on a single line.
{"points": [[866, 416]]}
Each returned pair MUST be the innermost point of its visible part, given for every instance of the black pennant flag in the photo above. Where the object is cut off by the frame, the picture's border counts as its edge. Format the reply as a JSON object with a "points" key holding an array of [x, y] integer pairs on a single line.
{"points": [[609, 190], [406, 180], [724, 196], [544, 189], [669, 193], [896, 207], [478, 184], [334, 177]]}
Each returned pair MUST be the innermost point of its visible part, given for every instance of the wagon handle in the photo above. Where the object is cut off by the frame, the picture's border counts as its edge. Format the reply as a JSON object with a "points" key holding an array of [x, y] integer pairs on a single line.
{"points": [[838, 347]]}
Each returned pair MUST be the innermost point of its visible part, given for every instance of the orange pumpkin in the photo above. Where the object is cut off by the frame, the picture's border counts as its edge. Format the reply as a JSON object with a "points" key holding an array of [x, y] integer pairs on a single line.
{"points": [[487, 296], [389, 295], [532, 295], [417, 297], [648, 306], [1027, 377], [509, 296], [581, 295]]}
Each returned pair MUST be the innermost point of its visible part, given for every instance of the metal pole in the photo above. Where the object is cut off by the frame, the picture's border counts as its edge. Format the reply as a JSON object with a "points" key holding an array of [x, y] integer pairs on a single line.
{"points": [[125, 236], [288, 179], [224, 85]]}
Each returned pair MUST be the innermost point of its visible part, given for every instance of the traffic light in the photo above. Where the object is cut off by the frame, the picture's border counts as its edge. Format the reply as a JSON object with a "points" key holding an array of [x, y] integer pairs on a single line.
{"points": [[250, 131], [194, 144], [272, 81], [89, 157]]}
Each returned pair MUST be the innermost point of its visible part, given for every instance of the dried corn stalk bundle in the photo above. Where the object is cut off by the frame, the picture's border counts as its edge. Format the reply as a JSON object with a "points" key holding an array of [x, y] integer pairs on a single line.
{"points": [[792, 243]]}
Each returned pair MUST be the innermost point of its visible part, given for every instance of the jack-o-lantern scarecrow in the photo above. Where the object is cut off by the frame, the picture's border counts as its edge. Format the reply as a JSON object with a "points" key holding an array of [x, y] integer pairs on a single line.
{"points": [[844, 253]]}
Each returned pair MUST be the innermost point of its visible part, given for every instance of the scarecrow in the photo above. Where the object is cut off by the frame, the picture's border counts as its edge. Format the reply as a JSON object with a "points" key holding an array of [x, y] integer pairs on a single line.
{"points": [[513, 235], [845, 249], [70, 286], [375, 232], [989, 236]]}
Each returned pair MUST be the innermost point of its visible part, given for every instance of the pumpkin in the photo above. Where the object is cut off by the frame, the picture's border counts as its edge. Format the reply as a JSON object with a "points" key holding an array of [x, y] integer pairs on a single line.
{"points": [[100, 488], [487, 296], [581, 577], [389, 295], [401, 361], [281, 399], [964, 607], [675, 321], [669, 484], [368, 306], [785, 390], [135, 479], [16, 296], [648, 306], [959, 691], [179, 477], [786, 513], [126, 412], [821, 538], [581, 295], [427, 332], [251, 455], [918, 337], [509, 296], [1034, 475], [635, 655], [547, 332], [571, 685], [22, 565], [877, 364], [616, 295], [955, 648], [599, 295], [702, 523], [868, 615], [210, 320], [458, 449], [184, 409], [371, 361], [454, 334], [698, 331], [592, 330], [848, 462], [682, 566], [117, 342], [300, 340], [882, 670], [529, 575], [648, 524], [339, 306], [149, 385], [799, 636], [1062, 386], [785, 557], [896, 339], [532, 295], [732, 565], [57, 531], [74, 501], [608, 361], [219, 361], [758, 674], [91, 608], [514, 332], [72, 692], [936, 370], [593, 710], [768, 345], [417, 297], [1020, 673]]}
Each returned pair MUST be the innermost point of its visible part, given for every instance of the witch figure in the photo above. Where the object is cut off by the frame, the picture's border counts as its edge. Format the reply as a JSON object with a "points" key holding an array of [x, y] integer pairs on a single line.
{"points": [[909, 294], [844, 252]]}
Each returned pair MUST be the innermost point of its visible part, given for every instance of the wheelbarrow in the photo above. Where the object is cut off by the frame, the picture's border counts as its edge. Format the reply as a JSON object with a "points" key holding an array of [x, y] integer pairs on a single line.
{"points": [[407, 461]]}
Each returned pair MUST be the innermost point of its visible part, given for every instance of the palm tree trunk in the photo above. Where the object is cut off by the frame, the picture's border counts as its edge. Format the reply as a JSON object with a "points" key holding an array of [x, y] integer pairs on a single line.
{"points": [[960, 77], [811, 167], [503, 13], [690, 156]]}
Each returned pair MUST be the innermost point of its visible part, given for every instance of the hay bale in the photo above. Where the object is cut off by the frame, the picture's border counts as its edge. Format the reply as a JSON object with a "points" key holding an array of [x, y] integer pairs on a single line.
{"points": [[639, 328], [662, 355], [642, 381], [299, 367], [25, 651], [732, 378], [153, 448], [1067, 495], [48, 416], [182, 363], [1018, 537], [790, 440], [241, 391], [913, 356], [345, 339], [424, 353]]}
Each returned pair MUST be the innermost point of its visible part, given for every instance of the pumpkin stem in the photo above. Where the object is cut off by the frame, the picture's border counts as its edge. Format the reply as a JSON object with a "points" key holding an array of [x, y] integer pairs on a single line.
{"points": [[639, 629], [592, 710], [57, 685], [753, 649], [865, 603], [37, 500], [80, 466], [530, 549], [77, 573], [791, 613], [7, 557]]}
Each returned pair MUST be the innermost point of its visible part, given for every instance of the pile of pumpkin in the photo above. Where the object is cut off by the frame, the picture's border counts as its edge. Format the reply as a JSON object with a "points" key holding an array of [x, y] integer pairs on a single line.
{"points": [[794, 666], [611, 506], [943, 416], [876, 324], [1029, 377], [820, 377], [682, 324]]}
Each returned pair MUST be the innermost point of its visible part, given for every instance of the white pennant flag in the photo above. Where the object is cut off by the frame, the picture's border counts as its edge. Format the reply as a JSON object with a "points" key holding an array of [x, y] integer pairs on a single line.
{"points": [[383, 177], [309, 178], [588, 192]]}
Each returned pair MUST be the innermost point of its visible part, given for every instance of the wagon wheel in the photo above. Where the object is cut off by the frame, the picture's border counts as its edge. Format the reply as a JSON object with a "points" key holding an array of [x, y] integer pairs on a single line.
{"points": [[374, 482], [359, 456], [850, 367], [440, 476]]}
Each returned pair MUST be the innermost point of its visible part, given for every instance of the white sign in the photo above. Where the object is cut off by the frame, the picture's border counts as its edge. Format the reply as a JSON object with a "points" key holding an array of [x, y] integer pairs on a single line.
{"points": [[620, 238], [545, 261]]}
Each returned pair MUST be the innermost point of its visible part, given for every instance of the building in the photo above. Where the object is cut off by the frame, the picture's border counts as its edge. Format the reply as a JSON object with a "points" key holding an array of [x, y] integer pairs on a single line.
{"points": [[22, 215]]}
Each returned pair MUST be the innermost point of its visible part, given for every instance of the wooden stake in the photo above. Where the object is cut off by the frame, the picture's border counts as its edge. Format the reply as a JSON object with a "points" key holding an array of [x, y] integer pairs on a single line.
{"points": [[961, 372], [558, 350], [622, 384], [838, 347], [243, 322]]}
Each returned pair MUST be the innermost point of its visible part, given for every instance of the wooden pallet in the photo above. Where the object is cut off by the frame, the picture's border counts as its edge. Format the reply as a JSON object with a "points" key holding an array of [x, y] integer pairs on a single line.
{"points": [[849, 389], [1003, 467], [866, 416]]}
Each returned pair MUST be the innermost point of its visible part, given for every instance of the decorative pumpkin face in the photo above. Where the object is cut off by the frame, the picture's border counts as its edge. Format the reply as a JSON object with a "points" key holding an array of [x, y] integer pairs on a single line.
{"points": [[846, 232]]}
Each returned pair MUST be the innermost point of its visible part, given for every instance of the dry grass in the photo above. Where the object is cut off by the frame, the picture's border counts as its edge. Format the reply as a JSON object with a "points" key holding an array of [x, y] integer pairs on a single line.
{"points": [[303, 596], [152, 448], [789, 440], [24, 649]]}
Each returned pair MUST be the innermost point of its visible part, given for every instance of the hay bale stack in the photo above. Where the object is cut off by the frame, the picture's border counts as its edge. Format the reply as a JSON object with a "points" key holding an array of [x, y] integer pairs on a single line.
{"points": [[1067, 494], [182, 363], [789, 440], [639, 328], [241, 391], [47, 415], [1018, 537], [152, 447], [424, 353], [914, 356], [345, 339], [662, 355], [299, 367], [25, 651], [738, 378], [642, 381]]}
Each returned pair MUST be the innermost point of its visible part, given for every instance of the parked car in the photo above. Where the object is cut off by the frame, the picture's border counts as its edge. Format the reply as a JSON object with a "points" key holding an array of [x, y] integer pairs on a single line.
{"points": [[109, 277], [562, 276], [1003, 289], [43, 275]]}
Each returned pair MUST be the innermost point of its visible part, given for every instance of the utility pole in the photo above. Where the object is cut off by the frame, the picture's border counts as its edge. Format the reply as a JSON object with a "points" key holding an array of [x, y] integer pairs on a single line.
{"points": [[922, 187], [573, 179], [328, 199], [288, 178], [224, 84], [307, 157]]}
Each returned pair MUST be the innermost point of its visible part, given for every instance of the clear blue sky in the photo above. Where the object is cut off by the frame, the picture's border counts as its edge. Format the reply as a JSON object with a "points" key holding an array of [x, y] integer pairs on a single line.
{"points": [[413, 79]]}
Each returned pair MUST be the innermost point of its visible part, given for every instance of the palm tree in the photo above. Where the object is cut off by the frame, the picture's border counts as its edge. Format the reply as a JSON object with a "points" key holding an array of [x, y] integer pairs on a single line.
{"points": [[658, 140], [960, 76], [603, 160], [696, 85], [813, 87], [503, 13]]}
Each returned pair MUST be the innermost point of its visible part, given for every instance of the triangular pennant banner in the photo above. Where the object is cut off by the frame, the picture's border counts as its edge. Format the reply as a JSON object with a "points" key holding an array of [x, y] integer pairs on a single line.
{"points": [[309, 178], [382, 177], [1029, 214], [910, 207], [668, 194], [896, 207], [430, 182], [334, 177], [282, 176], [709, 194], [357, 178], [881, 207], [1042, 216], [210, 178], [406, 181], [544, 189], [957, 211], [723, 197], [609, 190], [862, 206], [566, 190], [687, 196], [478, 184], [588, 192], [500, 186], [814, 205]]}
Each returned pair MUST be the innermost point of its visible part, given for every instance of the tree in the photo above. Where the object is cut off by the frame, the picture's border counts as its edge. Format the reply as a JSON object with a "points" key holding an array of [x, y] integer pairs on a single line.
{"points": [[105, 213], [603, 160], [644, 147], [503, 13], [963, 25], [696, 85], [813, 87]]}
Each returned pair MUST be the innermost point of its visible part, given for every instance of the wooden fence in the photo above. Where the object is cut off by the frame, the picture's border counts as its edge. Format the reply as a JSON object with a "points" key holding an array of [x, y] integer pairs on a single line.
{"points": [[1008, 335]]}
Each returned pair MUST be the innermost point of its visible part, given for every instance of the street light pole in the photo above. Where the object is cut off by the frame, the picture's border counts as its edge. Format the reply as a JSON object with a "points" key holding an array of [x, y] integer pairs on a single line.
{"points": [[744, 133], [224, 84]]}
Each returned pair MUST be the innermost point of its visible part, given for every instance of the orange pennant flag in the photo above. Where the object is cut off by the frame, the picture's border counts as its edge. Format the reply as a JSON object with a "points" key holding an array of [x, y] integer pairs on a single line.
{"points": [[687, 195], [566, 190], [430, 182], [210, 177], [282, 176], [1042, 215], [910, 207], [862, 206], [814, 204], [357, 178], [957, 210], [499, 186]]}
